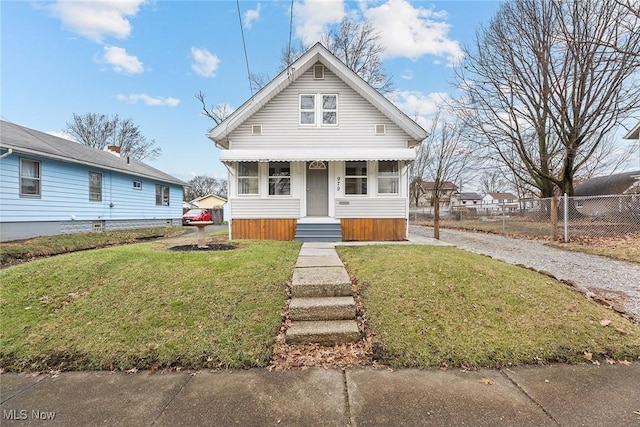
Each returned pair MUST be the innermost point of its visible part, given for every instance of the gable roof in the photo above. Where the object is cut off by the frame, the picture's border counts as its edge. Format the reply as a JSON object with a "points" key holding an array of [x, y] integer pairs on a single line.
{"points": [[606, 185], [317, 53], [29, 141], [197, 199], [446, 185], [502, 195], [469, 196]]}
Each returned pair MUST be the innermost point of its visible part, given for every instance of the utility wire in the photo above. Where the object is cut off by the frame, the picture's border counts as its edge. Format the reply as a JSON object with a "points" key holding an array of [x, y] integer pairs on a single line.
{"points": [[244, 45], [290, 31]]}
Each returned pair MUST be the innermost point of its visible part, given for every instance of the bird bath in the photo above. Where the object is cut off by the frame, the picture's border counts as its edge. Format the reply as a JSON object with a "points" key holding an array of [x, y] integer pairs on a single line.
{"points": [[201, 226]]}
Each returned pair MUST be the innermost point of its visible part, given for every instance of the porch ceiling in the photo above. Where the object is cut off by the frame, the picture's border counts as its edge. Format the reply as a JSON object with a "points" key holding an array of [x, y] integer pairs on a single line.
{"points": [[294, 155]]}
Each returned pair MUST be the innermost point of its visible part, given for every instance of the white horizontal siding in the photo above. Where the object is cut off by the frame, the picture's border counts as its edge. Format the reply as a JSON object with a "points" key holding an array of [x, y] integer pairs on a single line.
{"points": [[371, 207], [264, 208], [356, 121]]}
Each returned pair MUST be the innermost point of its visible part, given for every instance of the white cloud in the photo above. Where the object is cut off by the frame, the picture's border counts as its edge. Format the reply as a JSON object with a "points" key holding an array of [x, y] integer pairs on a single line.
{"points": [[251, 15], [412, 32], [204, 63], [96, 20], [419, 106], [312, 18], [148, 100], [121, 61], [407, 74]]}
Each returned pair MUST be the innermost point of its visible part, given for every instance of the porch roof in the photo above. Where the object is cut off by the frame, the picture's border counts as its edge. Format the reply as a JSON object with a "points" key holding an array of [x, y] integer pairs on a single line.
{"points": [[322, 154]]}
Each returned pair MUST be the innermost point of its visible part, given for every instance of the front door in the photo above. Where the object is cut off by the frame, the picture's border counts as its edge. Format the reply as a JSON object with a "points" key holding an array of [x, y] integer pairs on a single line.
{"points": [[317, 189]]}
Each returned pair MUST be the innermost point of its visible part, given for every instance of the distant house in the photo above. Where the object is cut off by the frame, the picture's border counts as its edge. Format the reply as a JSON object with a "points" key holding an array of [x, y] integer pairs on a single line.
{"points": [[470, 201], [318, 154], [597, 196], [493, 203], [50, 186], [448, 192], [214, 203]]}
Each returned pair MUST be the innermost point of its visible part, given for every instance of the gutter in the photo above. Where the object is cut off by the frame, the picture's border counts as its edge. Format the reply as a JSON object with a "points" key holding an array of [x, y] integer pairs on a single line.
{"points": [[8, 153]]}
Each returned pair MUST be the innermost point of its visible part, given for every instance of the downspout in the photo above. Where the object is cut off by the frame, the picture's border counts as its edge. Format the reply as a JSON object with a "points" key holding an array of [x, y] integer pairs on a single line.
{"points": [[8, 153], [406, 166], [228, 194]]}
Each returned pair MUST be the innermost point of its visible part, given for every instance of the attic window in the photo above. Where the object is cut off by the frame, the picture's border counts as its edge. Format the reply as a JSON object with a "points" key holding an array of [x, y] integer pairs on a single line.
{"points": [[318, 72], [256, 130], [381, 129]]}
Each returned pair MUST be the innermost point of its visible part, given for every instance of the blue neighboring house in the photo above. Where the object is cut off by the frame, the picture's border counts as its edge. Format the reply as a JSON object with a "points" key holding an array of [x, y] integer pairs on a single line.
{"points": [[50, 186]]}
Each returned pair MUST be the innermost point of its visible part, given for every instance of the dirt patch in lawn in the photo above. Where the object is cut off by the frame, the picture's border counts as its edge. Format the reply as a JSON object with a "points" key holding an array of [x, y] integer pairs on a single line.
{"points": [[212, 247]]}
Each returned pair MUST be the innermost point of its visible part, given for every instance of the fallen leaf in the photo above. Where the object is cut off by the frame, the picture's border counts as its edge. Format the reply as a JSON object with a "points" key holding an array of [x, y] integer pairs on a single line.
{"points": [[605, 322], [588, 355], [487, 381], [624, 362]]}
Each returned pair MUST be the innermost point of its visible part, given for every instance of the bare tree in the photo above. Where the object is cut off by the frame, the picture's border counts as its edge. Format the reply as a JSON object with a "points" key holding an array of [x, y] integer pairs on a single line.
{"points": [[548, 81], [357, 45], [100, 130], [442, 157], [493, 182], [218, 113], [202, 185]]}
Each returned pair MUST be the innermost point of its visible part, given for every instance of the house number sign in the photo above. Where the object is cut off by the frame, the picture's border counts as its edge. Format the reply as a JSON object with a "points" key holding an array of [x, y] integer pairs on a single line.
{"points": [[338, 182]]}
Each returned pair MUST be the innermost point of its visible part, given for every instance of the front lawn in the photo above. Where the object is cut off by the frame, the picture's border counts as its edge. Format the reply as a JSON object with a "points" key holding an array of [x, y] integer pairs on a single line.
{"points": [[143, 306], [433, 306]]}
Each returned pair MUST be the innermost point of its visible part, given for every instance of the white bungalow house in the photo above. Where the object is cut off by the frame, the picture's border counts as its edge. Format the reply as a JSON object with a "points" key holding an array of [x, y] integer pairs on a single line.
{"points": [[318, 154], [493, 203]]}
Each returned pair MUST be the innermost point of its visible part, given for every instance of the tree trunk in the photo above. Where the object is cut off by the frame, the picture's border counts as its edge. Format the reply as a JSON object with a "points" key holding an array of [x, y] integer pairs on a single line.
{"points": [[436, 218]]}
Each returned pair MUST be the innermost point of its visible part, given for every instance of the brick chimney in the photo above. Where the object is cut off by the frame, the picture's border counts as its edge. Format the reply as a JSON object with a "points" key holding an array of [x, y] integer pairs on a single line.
{"points": [[113, 149]]}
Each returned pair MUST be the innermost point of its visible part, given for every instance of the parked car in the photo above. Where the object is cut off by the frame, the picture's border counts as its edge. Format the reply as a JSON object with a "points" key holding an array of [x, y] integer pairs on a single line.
{"points": [[196, 215]]}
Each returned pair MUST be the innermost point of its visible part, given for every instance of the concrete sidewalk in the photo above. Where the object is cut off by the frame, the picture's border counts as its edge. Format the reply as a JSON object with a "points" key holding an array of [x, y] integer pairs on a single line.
{"points": [[607, 395]]}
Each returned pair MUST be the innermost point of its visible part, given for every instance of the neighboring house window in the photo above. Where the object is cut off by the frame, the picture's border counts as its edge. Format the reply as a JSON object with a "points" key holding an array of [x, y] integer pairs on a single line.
{"points": [[327, 108], [388, 177], [162, 195], [29, 177], [95, 187], [279, 179], [137, 185], [248, 178], [355, 181]]}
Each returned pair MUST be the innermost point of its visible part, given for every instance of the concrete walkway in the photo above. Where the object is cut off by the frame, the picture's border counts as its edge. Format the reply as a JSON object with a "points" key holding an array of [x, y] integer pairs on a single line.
{"points": [[604, 395], [587, 395]]}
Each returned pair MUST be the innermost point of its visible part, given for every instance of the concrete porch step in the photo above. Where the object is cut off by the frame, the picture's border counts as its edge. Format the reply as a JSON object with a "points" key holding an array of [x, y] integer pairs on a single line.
{"points": [[326, 332], [324, 308], [321, 282]]}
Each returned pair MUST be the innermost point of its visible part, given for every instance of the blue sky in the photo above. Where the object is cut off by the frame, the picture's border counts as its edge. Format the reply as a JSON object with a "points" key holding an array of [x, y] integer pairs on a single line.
{"points": [[147, 59]]}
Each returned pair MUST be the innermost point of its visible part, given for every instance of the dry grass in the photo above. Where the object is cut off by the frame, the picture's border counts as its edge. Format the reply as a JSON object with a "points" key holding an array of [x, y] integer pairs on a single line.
{"points": [[625, 248]]}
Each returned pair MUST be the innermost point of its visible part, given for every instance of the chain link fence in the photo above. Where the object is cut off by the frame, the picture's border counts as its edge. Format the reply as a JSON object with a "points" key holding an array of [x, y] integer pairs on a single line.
{"points": [[561, 218]]}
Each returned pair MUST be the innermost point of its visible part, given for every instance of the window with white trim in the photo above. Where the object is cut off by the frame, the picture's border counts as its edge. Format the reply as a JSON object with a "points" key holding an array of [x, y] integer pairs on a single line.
{"points": [[355, 178], [279, 179], [137, 185], [248, 179], [319, 105], [29, 178], [95, 187], [388, 177], [162, 195]]}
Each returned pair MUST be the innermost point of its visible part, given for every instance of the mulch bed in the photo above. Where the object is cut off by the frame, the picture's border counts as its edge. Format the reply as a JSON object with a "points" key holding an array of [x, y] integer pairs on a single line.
{"points": [[212, 247]]}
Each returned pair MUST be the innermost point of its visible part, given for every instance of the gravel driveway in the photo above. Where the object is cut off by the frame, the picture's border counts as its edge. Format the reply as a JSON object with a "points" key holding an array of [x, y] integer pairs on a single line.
{"points": [[616, 281]]}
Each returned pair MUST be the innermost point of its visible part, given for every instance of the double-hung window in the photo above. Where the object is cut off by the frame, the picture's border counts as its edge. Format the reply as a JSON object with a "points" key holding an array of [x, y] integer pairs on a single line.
{"points": [[355, 178], [248, 179], [324, 106], [29, 178], [95, 187], [388, 177], [162, 195], [279, 179]]}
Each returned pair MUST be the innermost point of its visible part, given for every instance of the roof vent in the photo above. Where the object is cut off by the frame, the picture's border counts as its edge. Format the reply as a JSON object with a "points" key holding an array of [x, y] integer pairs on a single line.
{"points": [[318, 72], [381, 129], [256, 129]]}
